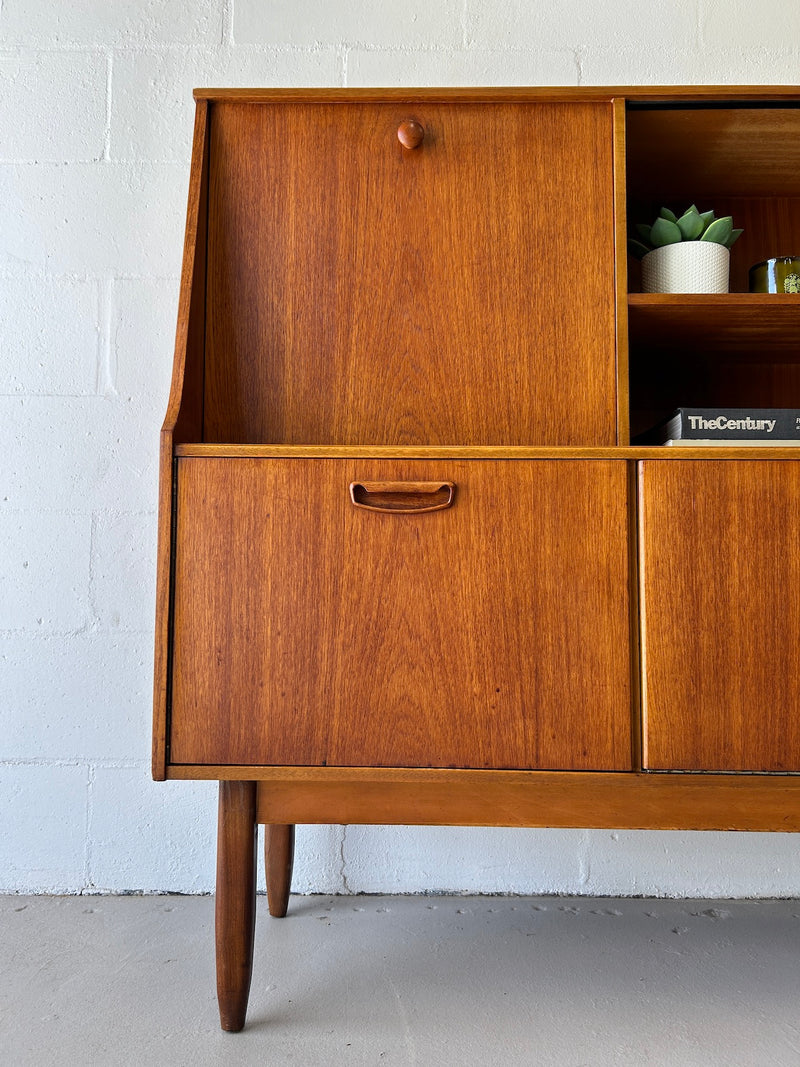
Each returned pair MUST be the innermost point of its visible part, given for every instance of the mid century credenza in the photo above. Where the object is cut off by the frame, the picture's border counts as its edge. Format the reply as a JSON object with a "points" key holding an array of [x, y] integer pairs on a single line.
{"points": [[411, 569]]}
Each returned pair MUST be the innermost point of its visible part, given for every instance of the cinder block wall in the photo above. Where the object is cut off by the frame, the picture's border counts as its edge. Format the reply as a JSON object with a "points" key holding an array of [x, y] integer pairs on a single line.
{"points": [[95, 122]]}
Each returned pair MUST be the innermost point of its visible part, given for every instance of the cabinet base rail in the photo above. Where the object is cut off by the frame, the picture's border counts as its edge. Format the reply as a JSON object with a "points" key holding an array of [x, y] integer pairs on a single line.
{"points": [[581, 799]]}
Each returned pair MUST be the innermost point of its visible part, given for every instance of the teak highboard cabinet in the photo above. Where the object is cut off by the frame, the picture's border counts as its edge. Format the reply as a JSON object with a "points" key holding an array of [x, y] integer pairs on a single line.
{"points": [[411, 569]]}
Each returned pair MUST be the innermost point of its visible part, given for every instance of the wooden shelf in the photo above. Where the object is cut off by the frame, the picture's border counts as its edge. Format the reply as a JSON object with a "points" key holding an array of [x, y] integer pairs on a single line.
{"points": [[384, 451], [743, 324], [443, 453]]}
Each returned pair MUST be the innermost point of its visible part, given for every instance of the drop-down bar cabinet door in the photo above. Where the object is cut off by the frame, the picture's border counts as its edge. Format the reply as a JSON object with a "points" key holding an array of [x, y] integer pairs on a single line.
{"points": [[377, 613]]}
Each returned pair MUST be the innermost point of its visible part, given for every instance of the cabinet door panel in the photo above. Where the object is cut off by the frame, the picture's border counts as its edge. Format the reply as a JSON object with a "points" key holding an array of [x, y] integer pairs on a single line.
{"points": [[365, 293], [492, 633], [721, 608]]}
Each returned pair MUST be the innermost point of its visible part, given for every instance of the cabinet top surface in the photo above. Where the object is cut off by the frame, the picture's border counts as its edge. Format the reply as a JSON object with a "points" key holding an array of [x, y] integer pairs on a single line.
{"points": [[473, 94]]}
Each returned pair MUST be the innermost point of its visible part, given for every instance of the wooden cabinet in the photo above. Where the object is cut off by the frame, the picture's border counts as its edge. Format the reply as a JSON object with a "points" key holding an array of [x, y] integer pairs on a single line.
{"points": [[411, 567]]}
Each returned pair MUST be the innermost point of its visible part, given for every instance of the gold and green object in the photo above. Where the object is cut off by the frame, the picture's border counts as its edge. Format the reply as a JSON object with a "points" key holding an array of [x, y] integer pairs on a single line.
{"points": [[779, 275]]}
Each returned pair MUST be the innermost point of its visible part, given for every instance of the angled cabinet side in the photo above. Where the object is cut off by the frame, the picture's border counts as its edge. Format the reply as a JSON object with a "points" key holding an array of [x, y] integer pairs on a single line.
{"points": [[183, 420]]}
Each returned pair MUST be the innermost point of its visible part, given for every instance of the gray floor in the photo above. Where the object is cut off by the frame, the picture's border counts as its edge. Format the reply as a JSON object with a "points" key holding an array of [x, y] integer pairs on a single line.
{"points": [[406, 980]]}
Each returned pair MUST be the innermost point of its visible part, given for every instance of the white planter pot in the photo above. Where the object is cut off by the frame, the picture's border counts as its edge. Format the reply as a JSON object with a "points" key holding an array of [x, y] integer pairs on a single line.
{"points": [[686, 267]]}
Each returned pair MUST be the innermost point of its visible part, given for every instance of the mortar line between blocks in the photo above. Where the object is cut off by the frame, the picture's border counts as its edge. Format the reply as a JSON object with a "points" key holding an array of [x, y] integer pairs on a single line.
{"points": [[584, 861], [342, 871], [227, 24], [109, 85], [93, 526], [106, 359], [87, 851], [76, 761]]}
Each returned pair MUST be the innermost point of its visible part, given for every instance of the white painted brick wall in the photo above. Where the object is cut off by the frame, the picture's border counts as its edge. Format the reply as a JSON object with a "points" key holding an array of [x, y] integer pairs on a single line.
{"points": [[44, 583], [43, 314], [95, 23], [739, 25], [95, 126], [101, 219], [576, 24], [61, 84], [43, 832], [80, 696], [415, 24]]}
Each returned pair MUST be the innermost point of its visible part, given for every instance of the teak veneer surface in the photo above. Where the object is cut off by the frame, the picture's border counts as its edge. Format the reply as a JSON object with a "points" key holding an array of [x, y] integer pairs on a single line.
{"points": [[532, 798], [235, 904], [183, 420], [360, 292], [714, 152], [491, 634], [484, 452], [721, 615], [760, 325]]}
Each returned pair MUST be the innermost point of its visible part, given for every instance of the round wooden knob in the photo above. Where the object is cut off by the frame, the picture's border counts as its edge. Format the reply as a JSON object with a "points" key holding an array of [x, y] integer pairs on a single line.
{"points": [[410, 133]]}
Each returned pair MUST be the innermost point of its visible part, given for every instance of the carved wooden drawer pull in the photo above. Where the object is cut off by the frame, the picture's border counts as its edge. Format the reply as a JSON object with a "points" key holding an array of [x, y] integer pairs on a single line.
{"points": [[402, 497]]}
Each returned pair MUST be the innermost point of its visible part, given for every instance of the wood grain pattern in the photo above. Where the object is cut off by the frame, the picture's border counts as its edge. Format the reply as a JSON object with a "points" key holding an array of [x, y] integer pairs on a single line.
{"points": [[466, 452], [721, 615], [492, 634], [183, 420], [362, 293], [700, 152], [621, 272], [634, 584], [756, 324], [532, 798], [279, 859], [771, 228], [235, 906]]}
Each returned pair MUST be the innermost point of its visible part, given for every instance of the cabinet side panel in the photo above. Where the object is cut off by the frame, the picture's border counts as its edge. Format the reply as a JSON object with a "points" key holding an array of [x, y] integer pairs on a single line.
{"points": [[721, 571], [184, 417], [461, 291]]}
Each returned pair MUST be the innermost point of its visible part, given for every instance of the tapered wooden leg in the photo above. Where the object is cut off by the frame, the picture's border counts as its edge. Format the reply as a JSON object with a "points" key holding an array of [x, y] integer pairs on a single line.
{"points": [[236, 899], [279, 856]]}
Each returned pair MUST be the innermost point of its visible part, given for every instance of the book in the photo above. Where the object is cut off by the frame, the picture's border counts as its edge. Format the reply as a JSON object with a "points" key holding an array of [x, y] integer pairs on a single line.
{"points": [[720, 442], [711, 425]]}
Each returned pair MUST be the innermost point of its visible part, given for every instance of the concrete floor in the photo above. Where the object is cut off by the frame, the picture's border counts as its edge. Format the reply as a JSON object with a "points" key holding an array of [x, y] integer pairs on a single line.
{"points": [[423, 981]]}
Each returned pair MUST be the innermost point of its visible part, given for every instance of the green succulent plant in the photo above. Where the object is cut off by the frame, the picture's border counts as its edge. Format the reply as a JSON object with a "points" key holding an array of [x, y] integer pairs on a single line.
{"points": [[692, 225]]}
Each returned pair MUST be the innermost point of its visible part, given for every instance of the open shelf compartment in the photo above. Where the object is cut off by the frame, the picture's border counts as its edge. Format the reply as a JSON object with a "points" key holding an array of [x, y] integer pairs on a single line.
{"points": [[739, 349]]}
